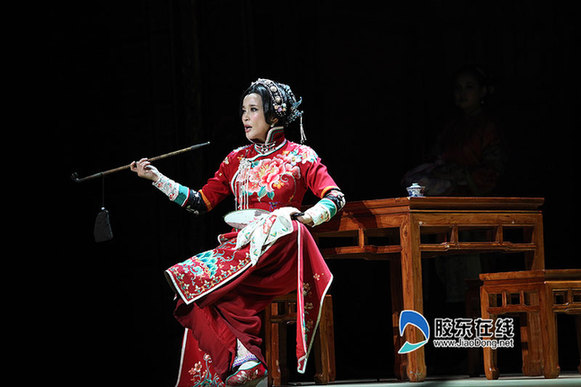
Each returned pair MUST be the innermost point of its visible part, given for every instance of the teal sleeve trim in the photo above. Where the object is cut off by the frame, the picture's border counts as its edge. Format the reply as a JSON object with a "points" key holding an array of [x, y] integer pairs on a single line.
{"points": [[183, 193], [329, 205]]}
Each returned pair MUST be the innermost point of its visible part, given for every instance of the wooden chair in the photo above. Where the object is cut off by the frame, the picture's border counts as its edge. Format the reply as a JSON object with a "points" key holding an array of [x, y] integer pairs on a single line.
{"points": [[281, 313], [537, 295]]}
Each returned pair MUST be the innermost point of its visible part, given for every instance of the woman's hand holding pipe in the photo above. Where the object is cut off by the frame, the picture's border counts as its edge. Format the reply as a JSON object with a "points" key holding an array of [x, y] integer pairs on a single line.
{"points": [[144, 169]]}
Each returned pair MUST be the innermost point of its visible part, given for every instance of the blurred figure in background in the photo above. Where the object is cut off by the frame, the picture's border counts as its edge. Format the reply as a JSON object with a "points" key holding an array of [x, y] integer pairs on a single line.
{"points": [[468, 156]]}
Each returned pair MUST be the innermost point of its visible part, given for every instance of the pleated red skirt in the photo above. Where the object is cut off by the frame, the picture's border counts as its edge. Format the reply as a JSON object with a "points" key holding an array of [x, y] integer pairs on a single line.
{"points": [[223, 310]]}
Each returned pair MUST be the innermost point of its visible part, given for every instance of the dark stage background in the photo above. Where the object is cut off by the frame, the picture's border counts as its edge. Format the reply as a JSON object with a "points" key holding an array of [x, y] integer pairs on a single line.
{"points": [[139, 78]]}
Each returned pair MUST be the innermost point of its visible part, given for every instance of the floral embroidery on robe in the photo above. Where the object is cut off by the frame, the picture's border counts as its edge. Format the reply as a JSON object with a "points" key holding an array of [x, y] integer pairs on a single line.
{"points": [[271, 180]]}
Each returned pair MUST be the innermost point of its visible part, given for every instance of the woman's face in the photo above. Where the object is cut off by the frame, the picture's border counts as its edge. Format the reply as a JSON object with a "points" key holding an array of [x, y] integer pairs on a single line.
{"points": [[468, 93], [253, 119]]}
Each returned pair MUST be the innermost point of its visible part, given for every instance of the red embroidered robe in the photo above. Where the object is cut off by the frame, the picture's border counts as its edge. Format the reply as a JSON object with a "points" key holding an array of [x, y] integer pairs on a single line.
{"points": [[221, 294]]}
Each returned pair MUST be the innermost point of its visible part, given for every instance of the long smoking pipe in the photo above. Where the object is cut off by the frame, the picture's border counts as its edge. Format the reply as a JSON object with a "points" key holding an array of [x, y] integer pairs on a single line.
{"points": [[76, 178]]}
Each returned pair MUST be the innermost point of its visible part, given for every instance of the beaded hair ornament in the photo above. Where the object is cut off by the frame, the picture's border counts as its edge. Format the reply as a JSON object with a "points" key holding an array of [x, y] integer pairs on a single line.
{"points": [[281, 109]]}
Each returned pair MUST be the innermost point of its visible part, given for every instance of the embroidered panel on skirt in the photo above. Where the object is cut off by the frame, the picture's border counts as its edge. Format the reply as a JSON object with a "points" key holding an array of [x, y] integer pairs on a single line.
{"points": [[196, 368], [204, 272]]}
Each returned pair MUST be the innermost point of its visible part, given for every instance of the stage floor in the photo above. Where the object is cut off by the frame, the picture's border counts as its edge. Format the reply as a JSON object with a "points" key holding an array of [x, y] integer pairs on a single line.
{"points": [[565, 379]]}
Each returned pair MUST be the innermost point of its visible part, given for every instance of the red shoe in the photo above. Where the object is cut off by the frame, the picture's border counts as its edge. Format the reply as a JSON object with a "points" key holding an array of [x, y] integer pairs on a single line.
{"points": [[247, 378]]}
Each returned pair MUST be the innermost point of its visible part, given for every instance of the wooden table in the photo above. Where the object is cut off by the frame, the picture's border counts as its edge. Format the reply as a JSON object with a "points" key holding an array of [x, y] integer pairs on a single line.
{"points": [[411, 227]]}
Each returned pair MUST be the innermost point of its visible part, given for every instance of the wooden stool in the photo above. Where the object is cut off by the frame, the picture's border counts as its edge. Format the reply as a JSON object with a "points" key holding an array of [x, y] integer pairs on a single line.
{"points": [[537, 295], [283, 311]]}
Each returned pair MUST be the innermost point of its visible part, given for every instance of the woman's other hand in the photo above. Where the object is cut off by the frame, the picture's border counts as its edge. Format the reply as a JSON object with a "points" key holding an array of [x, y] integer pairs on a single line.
{"points": [[305, 219], [298, 215]]}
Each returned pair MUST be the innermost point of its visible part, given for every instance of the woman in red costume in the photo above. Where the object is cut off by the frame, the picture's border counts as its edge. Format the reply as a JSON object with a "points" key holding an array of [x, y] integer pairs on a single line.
{"points": [[268, 253]]}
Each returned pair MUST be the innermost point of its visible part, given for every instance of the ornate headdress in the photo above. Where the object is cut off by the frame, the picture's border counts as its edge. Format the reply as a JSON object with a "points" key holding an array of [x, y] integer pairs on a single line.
{"points": [[284, 102]]}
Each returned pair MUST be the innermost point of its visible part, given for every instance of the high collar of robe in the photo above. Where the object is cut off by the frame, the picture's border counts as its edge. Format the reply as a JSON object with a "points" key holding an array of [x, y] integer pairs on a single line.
{"points": [[274, 138]]}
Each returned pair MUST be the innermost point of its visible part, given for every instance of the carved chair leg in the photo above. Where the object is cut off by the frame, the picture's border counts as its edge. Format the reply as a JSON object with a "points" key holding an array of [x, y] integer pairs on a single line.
{"points": [[488, 355], [578, 329], [325, 346], [271, 333], [551, 367], [532, 354]]}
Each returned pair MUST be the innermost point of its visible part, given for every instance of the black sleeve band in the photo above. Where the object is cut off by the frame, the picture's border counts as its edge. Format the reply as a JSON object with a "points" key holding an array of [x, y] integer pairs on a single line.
{"points": [[195, 203], [337, 197]]}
